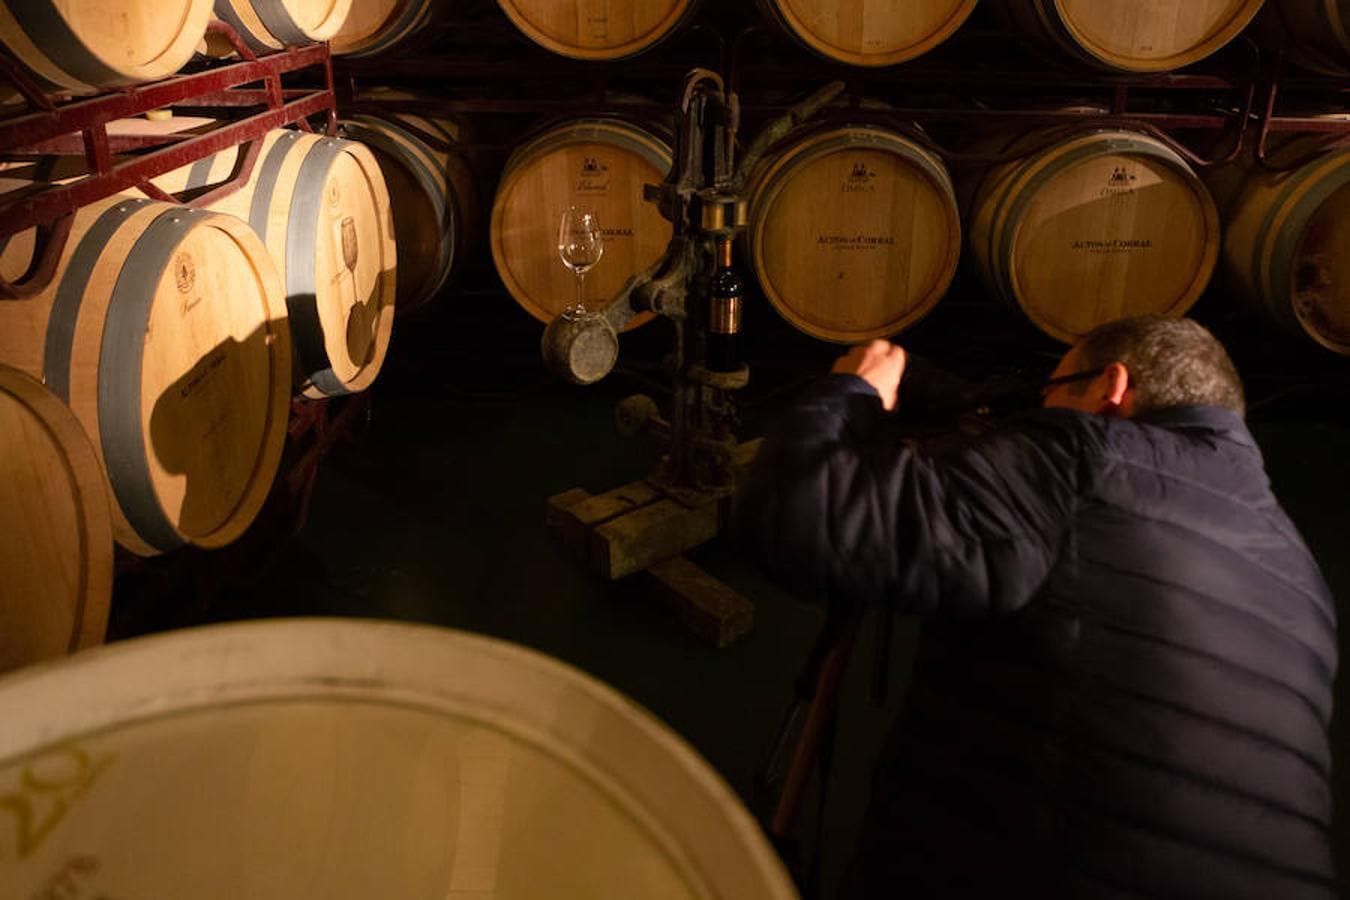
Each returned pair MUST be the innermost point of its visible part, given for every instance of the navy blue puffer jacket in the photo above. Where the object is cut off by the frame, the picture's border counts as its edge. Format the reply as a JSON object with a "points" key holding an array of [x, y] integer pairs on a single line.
{"points": [[1124, 685]]}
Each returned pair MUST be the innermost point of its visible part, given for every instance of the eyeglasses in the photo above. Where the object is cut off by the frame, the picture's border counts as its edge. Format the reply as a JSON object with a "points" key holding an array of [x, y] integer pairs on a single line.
{"points": [[1086, 375]]}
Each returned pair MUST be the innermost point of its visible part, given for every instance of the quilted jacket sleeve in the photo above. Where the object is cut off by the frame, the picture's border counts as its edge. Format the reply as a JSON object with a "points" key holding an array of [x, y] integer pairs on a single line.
{"points": [[972, 530]]}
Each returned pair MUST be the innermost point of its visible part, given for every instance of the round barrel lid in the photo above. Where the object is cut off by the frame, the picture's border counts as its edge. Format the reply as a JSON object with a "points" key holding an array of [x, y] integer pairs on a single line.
{"points": [[342, 759]]}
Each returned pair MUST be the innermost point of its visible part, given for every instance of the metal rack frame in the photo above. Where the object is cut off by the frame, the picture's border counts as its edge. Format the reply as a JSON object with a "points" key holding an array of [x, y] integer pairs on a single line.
{"points": [[80, 127]]}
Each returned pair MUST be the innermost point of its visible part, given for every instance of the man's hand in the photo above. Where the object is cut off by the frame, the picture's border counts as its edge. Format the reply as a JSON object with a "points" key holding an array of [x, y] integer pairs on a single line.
{"points": [[880, 363]]}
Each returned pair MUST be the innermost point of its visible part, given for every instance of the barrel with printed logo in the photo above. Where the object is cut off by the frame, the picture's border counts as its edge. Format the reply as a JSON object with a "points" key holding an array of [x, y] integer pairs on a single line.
{"points": [[321, 206], [433, 197], [853, 231], [1286, 230], [583, 29], [165, 332], [869, 32], [87, 47], [1089, 226], [1128, 35], [597, 162], [57, 552]]}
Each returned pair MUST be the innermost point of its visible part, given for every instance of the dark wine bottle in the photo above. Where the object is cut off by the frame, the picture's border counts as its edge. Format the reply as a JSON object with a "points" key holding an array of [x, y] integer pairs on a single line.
{"points": [[725, 297]]}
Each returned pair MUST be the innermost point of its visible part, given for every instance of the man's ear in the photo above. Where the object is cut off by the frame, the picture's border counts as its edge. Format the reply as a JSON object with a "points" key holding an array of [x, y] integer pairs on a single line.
{"points": [[1116, 395]]}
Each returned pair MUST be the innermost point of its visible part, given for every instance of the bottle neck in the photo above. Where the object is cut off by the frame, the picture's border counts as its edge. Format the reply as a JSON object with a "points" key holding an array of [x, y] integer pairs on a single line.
{"points": [[724, 253]]}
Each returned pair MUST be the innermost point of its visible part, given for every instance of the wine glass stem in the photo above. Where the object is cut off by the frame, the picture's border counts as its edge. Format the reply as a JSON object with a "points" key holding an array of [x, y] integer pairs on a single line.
{"points": [[581, 302]]}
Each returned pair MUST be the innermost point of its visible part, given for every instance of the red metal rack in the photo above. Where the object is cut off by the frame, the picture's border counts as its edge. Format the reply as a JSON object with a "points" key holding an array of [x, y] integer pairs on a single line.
{"points": [[80, 127]]}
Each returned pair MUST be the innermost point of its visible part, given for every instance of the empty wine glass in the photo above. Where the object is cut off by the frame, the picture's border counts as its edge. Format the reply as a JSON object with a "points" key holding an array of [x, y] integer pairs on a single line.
{"points": [[580, 244]]}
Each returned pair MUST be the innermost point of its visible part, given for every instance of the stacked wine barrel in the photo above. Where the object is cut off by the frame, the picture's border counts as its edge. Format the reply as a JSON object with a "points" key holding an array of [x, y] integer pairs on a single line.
{"points": [[855, 227], [598, 162], [854, 231], [83, 48], [57, 552], [1287, 227], [165, 332], [433, 197], [322, 209]]}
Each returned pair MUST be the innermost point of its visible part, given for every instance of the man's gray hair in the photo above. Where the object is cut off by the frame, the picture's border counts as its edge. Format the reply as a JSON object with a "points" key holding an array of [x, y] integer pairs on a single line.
{"points": [[1172, 362]]}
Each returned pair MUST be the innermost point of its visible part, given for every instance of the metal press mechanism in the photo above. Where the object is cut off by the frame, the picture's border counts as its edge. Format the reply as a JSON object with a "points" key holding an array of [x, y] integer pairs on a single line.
{"points": [[703, 196], [648, 524]]}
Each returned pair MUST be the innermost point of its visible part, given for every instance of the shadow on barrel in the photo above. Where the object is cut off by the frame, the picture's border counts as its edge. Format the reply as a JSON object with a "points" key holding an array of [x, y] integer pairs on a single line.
{"points": [[215, 439]]}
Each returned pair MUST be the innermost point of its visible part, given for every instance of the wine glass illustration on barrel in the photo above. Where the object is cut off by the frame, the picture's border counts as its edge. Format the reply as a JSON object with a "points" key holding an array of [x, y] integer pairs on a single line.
{"points": [[580, 244]]}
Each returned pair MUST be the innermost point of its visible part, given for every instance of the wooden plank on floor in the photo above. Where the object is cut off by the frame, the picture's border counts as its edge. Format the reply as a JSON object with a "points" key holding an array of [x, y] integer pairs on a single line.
{"points": [[631, 542], [711, 609]]}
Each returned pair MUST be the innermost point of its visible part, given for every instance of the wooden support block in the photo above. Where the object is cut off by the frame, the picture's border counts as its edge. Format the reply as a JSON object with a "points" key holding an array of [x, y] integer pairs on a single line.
{"points": [[613, 503], [558, 518], [631, 542], [711, 609]]}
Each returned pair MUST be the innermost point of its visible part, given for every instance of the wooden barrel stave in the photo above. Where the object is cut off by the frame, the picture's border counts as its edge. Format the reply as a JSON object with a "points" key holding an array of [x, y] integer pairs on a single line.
{"points": [[84, 48], [57, 552], [266, 25], [372, 28], [1284, 242], [433, 198], [1318, 33], [1124, 35], [869, 32], [882, 232], [573, 28], [599, 162]]}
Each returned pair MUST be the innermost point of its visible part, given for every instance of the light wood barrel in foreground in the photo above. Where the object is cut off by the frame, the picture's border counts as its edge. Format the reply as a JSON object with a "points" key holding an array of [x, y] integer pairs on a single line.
{"points": [[88, 46], [854, 232], [1130, 35], [165, 331], [1095, 226], [583, 29], [346, 760], [1287, 241], [56, 552], [321, 206], [600, 163], [869, 32], [433, 199]]}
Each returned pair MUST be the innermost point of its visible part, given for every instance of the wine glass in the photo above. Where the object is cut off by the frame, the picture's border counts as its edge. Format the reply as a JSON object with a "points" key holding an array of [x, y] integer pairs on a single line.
{"points": [[580, 244]]}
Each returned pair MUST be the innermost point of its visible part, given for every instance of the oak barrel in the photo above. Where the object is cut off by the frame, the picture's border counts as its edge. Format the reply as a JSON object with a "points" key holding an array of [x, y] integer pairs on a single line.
{"points": [[86, 47], [598, 162], [869, 32], [322, 208], [854, 231], [266, 25], [583, 29], [1129, 35], [1286, 237], [165, 332], [373, 27], [432, 193], [57, 549], [349, 760], [1317, 33], [1090, 226]]}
